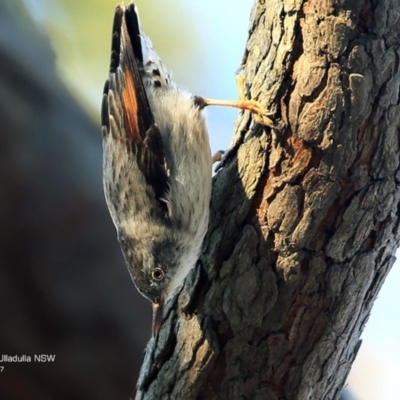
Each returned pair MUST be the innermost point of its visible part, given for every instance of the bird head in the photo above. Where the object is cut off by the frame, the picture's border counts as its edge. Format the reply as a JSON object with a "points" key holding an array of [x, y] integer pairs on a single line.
{"points": [[158, 262]]}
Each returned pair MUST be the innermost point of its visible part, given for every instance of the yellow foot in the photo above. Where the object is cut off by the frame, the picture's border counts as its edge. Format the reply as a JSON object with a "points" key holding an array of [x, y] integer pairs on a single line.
{"points": [[255, 107]]}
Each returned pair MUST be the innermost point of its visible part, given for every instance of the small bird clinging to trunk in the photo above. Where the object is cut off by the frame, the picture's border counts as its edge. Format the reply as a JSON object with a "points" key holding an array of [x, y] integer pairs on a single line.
{"points": [[156, 163]]}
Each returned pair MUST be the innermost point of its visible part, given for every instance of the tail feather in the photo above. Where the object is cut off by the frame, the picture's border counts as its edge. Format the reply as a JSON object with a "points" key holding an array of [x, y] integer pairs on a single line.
{"points": [[127, 119], [116, 39], [133, 26]]}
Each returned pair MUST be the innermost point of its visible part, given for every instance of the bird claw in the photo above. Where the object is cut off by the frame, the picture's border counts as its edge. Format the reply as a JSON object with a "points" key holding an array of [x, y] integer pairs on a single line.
{"points": [[255, 107], [217, 156]]}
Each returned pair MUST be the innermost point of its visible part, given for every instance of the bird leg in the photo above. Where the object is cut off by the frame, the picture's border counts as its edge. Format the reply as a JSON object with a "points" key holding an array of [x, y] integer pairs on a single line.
{"points": [[255, 107]]}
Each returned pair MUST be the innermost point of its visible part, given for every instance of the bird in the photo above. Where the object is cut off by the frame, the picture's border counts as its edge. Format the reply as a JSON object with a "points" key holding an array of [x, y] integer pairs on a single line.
{"points": [[157, 163]]}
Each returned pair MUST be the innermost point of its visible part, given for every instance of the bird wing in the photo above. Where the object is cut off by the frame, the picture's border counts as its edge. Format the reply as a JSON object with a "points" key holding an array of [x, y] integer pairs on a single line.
{"points": [[126, 116]]}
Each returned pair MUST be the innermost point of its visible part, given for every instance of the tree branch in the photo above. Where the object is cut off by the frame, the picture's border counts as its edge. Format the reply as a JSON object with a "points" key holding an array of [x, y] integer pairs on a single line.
{"points": [[304, 223]]}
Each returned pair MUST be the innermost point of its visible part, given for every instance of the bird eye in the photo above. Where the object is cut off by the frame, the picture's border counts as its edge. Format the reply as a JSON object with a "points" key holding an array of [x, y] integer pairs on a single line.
{"points": [[157, 274]]}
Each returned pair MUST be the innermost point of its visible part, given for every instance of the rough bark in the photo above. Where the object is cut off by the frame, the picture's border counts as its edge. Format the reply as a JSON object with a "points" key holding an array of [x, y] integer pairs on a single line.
{"points": [[304, 222]]}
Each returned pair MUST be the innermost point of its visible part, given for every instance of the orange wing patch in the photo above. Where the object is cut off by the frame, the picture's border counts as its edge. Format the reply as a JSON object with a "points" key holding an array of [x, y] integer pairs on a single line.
{"points": [[130, 104]]}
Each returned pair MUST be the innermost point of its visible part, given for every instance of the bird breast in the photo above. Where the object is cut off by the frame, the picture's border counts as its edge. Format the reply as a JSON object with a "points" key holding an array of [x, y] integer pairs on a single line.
{"points": [[188, 158]]}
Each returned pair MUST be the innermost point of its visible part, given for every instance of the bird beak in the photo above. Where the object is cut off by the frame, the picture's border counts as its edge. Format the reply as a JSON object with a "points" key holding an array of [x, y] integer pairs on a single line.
{"points": [[157, 316]]}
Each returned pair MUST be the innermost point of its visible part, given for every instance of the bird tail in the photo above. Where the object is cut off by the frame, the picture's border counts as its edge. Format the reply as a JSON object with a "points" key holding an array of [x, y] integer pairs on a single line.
{"points": [[133, 25]]}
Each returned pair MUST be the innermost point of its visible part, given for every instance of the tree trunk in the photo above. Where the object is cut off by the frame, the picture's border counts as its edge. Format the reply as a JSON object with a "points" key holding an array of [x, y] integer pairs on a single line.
{"points": [[304, 222]]}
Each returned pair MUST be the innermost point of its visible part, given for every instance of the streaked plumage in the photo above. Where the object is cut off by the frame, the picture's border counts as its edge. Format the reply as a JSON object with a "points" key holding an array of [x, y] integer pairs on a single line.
{"points": [[157, 163]]}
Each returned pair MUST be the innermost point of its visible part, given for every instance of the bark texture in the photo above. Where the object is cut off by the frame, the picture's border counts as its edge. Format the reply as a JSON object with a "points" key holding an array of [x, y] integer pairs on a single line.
{"points": [[304, 222]]}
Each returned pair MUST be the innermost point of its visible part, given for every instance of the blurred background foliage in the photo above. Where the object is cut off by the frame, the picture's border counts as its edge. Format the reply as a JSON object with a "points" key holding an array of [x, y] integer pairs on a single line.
{"points": [[202, 44], [203, 59]]}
